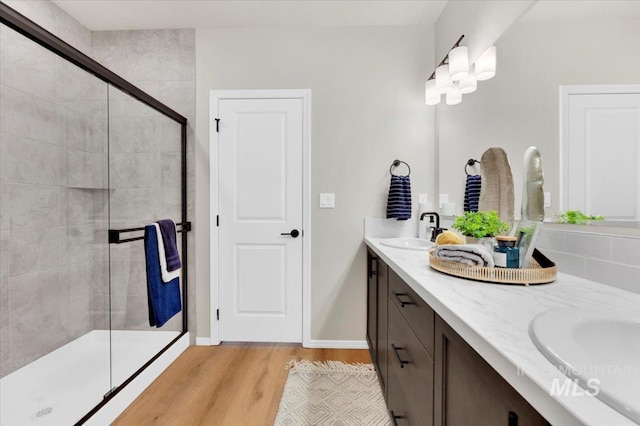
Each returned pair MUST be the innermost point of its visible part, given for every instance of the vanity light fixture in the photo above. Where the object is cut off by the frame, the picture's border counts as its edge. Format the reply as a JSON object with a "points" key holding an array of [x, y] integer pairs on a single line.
{"points": [[443, 81], [454, 76], [431, 95], [458, 63], [469, 84], [486, 64], [454, 97]]}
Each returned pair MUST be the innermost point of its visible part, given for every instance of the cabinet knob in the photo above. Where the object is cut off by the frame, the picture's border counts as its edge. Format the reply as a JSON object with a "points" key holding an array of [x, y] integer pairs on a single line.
{"points": [[513, 419]]}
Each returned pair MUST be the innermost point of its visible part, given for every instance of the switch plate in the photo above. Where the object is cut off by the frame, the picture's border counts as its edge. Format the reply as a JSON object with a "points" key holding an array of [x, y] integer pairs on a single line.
{"points": [[327, 201], [444, 198], [423, 198], [547, 199]]}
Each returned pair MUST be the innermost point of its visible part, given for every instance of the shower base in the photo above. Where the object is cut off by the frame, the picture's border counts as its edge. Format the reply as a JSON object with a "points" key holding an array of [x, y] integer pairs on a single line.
{"points": [[62, 386]]}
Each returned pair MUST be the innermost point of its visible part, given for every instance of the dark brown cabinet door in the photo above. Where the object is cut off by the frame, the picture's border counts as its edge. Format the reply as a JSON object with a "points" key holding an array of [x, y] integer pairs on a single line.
{"points": [[468, 391], [414, 309], [372, 306], [410, 375], [381, 353]]}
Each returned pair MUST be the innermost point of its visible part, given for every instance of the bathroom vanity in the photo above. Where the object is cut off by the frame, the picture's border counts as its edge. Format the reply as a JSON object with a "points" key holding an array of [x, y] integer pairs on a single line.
{"points": [[457, 352]]}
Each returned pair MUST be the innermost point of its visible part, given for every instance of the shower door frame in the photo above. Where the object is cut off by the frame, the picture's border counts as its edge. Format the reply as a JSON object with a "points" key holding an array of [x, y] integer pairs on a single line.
{"points": [[44, 38]]}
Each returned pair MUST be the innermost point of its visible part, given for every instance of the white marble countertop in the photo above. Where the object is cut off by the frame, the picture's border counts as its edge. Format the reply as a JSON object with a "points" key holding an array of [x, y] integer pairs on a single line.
{"points": [[494, 319]]}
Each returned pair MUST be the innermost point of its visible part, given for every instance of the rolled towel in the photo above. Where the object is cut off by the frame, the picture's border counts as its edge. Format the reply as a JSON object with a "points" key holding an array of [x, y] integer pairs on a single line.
{"points": [[469, 254]]}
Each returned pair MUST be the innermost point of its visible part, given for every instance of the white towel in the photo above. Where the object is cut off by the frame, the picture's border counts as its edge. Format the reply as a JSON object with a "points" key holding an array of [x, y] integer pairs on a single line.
{"points": [[469, 254], [167, 276]]}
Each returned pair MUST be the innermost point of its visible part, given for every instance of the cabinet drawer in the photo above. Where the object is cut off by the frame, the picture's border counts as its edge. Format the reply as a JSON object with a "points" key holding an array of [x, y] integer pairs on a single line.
{"points": [[415, 310], [410, 374]]}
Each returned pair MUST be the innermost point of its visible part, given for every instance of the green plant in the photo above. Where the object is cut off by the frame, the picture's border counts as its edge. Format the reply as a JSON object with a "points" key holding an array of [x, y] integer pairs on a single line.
{"points": [[576, 217], [480, 224]]}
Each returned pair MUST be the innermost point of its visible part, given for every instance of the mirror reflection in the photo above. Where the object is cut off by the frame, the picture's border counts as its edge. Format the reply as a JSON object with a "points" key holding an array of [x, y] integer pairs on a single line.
{"points": [[568, 83]]}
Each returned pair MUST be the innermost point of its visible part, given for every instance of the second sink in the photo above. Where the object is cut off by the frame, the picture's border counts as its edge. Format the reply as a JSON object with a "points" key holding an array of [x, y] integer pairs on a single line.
{"points": [[408, 243]]}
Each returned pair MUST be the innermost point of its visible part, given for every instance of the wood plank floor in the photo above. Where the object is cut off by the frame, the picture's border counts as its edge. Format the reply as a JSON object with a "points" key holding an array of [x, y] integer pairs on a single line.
{"points": [[230, 384]]}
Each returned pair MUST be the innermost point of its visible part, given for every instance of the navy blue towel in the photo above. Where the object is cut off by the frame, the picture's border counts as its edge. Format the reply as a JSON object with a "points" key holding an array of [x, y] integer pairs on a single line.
{"points": [[168, 231], [472, 193], [399, 202], [163, 298]]}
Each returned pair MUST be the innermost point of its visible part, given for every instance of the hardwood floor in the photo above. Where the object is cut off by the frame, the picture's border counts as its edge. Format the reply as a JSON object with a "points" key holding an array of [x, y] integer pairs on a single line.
{"points": [[230, 384]]}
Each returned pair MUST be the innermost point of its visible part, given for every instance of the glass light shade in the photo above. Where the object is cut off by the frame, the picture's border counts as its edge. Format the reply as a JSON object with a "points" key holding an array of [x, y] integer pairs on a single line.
{"points": [[469, 84], [458, 63], [431, 95], [454, 97], [486, 65], [443, 82]]}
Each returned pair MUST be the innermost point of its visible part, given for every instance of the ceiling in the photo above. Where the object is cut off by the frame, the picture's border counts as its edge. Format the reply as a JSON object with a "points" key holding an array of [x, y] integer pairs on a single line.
{"points": [[101, 15]]}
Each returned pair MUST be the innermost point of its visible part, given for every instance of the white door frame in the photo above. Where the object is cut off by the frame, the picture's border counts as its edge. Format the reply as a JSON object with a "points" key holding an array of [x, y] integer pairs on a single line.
{"points": [[565, 92], [214, 97]]}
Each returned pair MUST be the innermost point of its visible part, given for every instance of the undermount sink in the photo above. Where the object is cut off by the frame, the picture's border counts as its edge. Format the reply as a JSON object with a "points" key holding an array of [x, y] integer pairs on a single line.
{"points": [[601, 350], [408, 243]]}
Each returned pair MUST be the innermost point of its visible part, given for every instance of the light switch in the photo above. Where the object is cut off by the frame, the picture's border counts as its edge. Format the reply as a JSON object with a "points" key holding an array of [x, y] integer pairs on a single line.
{"points": [[327, 201], [423, 198], [444, 198], [547, 199]]}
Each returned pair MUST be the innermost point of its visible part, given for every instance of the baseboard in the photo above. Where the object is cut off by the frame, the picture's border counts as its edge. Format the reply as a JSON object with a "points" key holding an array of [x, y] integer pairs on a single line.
{"points": [[203, 341], [336, 344], [107, 414]]}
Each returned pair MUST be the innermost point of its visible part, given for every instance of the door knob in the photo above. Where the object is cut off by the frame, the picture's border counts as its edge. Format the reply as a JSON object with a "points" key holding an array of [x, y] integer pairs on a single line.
{"points": [[294, 233]]}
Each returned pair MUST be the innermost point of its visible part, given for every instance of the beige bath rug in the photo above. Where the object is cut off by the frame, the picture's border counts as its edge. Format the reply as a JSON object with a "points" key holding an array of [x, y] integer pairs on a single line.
{"points": [[331, 393]]}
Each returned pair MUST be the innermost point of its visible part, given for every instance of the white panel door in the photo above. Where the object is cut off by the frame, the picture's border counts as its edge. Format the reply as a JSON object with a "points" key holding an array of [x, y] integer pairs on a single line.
{"points": [[603, 164], [260, 200]]}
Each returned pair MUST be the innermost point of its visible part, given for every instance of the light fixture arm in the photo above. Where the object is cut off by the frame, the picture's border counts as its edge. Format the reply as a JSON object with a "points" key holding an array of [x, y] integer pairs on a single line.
{"points": [[446, 57]]}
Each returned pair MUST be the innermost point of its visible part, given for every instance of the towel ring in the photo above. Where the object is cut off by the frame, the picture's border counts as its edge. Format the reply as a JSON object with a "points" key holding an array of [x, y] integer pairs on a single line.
{"points": [[396, 163], [471, 162]]}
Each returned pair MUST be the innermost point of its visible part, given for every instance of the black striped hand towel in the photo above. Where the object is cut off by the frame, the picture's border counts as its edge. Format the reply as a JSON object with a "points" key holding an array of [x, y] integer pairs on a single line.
{"points": [[399, 202], [472, 193]]}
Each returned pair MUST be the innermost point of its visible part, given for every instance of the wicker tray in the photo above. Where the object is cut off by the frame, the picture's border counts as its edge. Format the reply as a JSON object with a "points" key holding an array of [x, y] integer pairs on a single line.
{"points": [[526, 276]]}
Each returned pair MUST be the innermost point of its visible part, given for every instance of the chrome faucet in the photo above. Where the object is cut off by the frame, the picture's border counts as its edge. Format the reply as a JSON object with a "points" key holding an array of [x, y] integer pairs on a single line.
{"points": [[437, 230]]}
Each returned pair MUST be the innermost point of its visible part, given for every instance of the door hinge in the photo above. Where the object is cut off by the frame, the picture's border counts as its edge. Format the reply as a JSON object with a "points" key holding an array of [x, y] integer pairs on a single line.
{"points": [[217, 220], [218, 314], [217, 125]]}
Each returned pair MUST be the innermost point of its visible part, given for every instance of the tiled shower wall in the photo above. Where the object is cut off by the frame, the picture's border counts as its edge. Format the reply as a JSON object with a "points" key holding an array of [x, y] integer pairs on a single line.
{"points": [[53, 135], [53, 200], [608, 259]]}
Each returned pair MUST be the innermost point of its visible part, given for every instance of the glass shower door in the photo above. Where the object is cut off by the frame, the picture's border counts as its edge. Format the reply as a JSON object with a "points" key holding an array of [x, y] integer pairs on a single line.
{"points": [[144, 186], [54, 321]]}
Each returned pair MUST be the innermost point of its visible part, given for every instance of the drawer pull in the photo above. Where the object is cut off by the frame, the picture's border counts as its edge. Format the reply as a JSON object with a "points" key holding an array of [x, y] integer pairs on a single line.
{"points": [[395, 350], [513, 419], [395, 417], [402, 302]]}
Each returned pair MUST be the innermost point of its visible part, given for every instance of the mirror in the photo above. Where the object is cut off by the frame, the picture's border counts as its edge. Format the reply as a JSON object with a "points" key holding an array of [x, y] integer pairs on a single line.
{"points": [[554, 47]]}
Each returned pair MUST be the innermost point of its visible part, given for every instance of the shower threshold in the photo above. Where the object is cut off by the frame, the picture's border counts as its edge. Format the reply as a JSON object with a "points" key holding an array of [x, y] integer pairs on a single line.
{"points": [[62, 386]]}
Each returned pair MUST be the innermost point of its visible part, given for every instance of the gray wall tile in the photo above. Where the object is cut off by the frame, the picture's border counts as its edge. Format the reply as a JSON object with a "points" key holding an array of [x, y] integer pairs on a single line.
{"points": [[614, 274], [28, 161], [25, 115], [33, 206], [4, 207], [594, 246], [39, 290], [5, 239], [26, 66], [4, 304], [627, 250], [36, 249]]}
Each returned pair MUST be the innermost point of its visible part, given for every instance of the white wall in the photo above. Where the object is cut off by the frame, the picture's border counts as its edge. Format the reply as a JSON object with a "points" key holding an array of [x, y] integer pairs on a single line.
{"points": [[367, 110], [519, 106]]}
